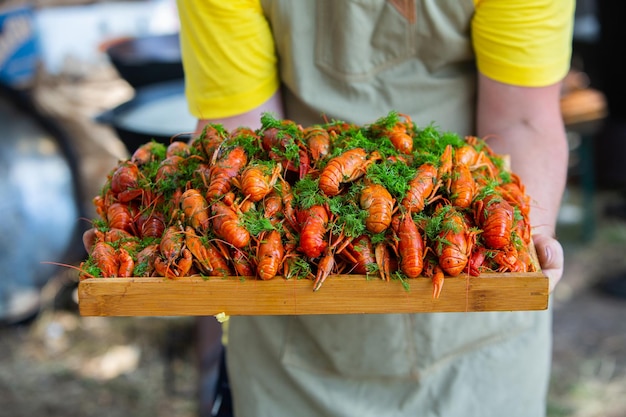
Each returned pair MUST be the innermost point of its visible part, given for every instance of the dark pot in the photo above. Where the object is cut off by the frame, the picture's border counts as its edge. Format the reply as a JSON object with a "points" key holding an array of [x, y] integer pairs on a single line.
{"points": [[146, 60], [157, 112]]}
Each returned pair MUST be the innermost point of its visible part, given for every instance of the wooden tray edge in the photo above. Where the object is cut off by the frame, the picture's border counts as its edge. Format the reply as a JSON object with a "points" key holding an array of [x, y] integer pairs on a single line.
{"points": [[340, 294]]}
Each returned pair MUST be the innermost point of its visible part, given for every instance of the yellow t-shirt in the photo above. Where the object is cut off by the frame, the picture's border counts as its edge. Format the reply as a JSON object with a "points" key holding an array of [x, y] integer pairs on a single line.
{"points": [[238, 71], [520, 42]]}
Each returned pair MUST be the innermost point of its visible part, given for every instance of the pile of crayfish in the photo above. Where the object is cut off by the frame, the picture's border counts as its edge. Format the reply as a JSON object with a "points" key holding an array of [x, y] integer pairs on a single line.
{"points": [[387, 199]]}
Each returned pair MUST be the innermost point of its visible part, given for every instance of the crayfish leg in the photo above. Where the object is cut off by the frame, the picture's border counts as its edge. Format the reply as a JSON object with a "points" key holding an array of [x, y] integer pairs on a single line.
{"points": [[383, 258]]}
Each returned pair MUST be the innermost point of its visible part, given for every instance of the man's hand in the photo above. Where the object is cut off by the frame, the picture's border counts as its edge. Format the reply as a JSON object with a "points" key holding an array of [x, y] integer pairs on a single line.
{"points": [[89, 239], [551, 257]]}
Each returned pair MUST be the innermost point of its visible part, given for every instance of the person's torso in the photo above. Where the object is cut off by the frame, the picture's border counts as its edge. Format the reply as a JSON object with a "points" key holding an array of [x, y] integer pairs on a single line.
{"points": [[357, 60]]}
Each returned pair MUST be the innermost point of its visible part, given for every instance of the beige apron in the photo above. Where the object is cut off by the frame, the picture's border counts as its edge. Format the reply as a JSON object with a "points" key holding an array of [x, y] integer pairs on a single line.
{"points": [[355, 61]]}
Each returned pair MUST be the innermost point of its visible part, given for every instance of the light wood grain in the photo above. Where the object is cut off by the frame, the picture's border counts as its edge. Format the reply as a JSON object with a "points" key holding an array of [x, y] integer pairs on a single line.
{"points": [[340, 294]]}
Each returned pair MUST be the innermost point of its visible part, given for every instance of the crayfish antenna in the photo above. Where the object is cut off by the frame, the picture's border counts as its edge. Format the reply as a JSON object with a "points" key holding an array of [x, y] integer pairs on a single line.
{"points": [[82, 273]]}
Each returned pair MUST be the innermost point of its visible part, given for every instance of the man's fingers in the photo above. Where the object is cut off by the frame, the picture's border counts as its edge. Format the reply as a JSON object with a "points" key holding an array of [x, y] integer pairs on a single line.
{"points": [[551, 258], [89, 239]]}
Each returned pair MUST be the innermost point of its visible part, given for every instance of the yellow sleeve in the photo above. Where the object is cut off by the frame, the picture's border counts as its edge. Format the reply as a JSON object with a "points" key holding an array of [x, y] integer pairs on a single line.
{"points": [[228, 56], [523, 42]]}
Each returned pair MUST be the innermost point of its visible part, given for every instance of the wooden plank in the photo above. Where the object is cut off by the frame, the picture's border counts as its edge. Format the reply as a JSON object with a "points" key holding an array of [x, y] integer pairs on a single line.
{"points": [[340, 294]]}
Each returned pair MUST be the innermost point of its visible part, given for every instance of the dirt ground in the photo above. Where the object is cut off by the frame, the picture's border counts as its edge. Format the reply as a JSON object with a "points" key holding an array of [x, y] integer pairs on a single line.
{"points": [[589, 351], [62, 364]]}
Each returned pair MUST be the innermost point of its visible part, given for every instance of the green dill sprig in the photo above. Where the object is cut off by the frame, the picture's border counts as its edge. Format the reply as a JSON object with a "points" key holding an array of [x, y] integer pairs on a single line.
{"points": [[307, 193], [255, 223], [345, 208], [394, 176], [297, 267], [250, 142]]}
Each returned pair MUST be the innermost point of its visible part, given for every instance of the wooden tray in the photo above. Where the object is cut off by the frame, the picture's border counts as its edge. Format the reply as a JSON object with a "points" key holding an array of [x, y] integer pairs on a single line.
{"points": [[340, 294]]}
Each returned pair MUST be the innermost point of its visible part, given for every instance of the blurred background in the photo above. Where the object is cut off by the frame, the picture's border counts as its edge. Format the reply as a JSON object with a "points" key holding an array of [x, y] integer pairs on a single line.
{"points": [[83, 83]]}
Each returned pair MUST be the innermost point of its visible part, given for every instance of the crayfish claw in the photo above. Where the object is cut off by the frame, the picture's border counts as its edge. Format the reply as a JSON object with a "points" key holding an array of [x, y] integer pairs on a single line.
{"points": [[325, 267], [438, 278]]}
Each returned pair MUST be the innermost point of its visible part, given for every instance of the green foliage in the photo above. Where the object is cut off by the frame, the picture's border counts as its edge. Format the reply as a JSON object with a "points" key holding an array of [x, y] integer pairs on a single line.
{"points": [[393, 175], [298, 268], [255, 223], [307, 193]]}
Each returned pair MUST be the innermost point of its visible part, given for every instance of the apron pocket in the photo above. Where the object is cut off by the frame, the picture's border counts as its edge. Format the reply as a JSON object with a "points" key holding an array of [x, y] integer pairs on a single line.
{"points": [[357, 39]]}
